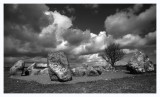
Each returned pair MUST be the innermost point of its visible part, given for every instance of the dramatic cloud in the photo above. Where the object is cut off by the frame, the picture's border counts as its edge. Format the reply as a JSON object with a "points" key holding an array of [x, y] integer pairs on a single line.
{"points": [[137, 41], [36, 30], [23, 37], [125, 22], [95, 44], [61, 23], [21, 33], [30, 15], [76, 36]]}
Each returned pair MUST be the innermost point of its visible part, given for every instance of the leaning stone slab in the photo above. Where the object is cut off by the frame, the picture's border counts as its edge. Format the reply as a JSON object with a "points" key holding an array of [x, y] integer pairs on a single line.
{"points": [[58, 67], [18, 66]]}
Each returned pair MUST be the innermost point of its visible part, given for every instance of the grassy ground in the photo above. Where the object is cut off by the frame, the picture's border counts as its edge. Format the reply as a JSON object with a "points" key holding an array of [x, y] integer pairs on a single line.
{"points": [[144, 83]]}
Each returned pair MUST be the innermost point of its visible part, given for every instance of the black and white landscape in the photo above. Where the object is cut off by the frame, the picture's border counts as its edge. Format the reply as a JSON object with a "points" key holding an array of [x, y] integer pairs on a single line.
{"points": [[84, 33]]}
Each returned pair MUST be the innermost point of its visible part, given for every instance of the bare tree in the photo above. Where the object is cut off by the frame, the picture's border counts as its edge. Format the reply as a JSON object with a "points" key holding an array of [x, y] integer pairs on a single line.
{"points": [[113, 53]]}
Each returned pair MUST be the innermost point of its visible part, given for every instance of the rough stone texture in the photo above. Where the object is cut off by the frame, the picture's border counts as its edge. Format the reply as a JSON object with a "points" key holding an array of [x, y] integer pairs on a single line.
{"points": [[18, 66], [41, 65], [25, 72], [58, 67], [33, 71], [79, 71], [44, 71], [92, 72], [87, 71], [140, 63], [99, 69]]}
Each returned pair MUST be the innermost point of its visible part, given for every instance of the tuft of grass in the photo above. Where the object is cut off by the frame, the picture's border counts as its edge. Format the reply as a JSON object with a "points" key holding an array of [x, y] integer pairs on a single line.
{"points": [[144, 83]]}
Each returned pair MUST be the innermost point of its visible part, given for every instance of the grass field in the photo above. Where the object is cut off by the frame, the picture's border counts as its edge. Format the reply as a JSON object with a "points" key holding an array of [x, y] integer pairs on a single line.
{"points": [[143, 83]]}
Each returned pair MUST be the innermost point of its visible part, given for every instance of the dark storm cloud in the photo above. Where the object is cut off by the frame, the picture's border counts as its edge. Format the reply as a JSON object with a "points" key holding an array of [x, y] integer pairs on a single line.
{"points": [[125, 22], [22, 25], [26, 14]]}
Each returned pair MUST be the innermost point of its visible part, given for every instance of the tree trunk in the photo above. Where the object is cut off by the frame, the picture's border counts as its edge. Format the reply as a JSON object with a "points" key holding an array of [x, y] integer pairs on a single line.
{"points": [[112, 64]]}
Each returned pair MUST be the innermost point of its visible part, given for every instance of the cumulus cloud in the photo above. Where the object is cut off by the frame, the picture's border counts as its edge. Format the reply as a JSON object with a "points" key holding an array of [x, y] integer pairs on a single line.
{"points": [[95, 44], [127, 51], [124, 22], [56, 29], [86, 44], [23, 37], [21, 33], [76, 36], [137, 41]]}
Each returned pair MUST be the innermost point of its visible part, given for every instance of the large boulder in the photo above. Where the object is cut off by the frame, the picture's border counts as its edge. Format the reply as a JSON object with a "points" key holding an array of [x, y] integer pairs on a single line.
{"points": [[79, 71], [92, 72], [99, 69], [31, 70], [44, 71], [58, 67], [18, 66], [41, 65], [140, 63]]}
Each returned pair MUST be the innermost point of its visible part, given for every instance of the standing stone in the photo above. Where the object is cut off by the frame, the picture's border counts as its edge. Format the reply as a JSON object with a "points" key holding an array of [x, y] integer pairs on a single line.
{"points": [[58, 67], [140, 63]]}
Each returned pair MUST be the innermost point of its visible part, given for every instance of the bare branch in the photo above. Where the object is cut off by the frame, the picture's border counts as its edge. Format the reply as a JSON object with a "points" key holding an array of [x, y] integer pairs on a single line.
{"points": [[114, 53]]}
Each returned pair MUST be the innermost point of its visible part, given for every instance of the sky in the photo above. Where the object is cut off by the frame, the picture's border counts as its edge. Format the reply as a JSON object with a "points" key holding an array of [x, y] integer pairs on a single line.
{"points": [[78, 29]]}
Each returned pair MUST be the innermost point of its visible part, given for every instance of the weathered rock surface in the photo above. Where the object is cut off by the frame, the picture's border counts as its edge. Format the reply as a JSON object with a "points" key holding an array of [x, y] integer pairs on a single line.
{"points": [[44, 71], [140, 63], [34, 71], [18, 66], [92, 71], [79, 71], [58, 67], [87, 71], [41, 65]]}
